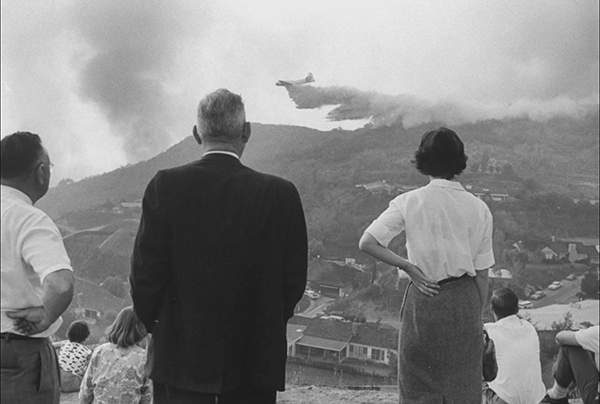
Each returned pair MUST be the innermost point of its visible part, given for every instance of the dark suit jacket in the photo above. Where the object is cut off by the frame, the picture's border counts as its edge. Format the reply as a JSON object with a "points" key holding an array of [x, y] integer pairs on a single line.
{"points": [[218, 266]]}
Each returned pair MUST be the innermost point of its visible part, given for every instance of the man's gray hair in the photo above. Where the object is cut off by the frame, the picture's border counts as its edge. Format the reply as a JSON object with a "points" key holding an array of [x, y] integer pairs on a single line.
{"points": [[220, 115]]}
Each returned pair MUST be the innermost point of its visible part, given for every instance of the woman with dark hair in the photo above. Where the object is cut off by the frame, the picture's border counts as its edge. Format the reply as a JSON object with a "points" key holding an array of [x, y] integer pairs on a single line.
{"points": [[116, 373], [449, 244], [74, 356]]}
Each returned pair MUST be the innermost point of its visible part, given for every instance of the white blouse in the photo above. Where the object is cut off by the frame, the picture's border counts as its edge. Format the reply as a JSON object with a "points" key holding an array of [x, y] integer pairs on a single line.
{"points": [[448, 230]]}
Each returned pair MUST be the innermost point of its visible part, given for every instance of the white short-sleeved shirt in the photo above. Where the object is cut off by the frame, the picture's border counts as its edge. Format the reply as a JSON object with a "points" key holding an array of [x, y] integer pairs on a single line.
{"points": [[589, 339], [32, 248], [519, 379], [448, 230]]}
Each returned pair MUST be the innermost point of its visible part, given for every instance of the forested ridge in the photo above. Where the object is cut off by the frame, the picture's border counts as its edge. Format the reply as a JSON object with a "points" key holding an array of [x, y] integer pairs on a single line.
{"points": [[543, 166]]}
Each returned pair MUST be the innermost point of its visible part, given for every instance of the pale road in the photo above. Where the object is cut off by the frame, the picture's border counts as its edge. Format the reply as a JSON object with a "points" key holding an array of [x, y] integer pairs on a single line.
{"points": [[316, 306], [565, 294]]}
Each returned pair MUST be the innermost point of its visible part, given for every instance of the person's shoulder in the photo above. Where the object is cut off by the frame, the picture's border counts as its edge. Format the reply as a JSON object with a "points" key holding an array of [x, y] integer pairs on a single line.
{"points": [[272, 180], [102, 347]]}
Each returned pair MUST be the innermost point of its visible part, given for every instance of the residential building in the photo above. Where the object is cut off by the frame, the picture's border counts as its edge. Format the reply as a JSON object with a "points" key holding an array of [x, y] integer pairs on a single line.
{"points": [[338, 341]]}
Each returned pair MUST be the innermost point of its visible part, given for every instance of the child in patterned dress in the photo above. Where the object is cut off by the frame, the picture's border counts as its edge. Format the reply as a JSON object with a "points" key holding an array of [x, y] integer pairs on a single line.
{"points": [[116, 372]]}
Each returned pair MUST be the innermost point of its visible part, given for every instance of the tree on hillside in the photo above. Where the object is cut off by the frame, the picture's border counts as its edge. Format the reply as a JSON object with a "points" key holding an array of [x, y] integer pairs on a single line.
{"points": [[485, 158], [316, 248], [115, 286], [64, 182], [590, 284], [508, 171]]}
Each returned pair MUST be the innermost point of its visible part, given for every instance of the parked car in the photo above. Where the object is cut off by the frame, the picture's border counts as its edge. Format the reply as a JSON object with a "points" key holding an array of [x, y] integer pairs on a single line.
{"points": [[571, 277], [525, 304], [313, 295], [538, 295], [555, 285]]}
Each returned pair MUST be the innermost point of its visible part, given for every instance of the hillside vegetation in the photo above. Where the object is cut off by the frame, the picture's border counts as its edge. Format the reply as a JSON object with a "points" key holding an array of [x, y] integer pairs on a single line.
{"points": [[543, 166]]}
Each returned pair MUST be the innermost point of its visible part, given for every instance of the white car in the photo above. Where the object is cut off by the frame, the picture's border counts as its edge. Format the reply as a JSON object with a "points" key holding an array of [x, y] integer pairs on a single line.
{"points": [[525, 304], [555, 285]]}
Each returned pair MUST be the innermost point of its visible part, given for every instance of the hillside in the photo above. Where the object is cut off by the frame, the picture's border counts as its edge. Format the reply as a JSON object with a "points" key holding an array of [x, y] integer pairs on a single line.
{"points": [[545, 167], [561, 154]]}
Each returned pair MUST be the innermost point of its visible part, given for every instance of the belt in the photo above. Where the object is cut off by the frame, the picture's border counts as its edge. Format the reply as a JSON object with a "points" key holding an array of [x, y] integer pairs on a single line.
{"points": [[452, 279], [7, 336]]}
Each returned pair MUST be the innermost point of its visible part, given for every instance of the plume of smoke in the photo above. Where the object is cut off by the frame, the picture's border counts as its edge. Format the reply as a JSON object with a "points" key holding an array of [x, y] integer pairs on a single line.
{"points": [[132, 44], [409, 110]]}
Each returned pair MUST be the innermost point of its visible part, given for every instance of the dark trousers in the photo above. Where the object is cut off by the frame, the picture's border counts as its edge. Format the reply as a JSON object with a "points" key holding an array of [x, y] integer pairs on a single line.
{"points": [[246, 394], [577, 364], [30, 371]]}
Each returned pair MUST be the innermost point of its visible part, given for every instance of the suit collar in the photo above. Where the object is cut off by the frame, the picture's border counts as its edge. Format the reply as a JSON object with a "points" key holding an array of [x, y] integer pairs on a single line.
{"points": [[228, 153], [221, 158]]}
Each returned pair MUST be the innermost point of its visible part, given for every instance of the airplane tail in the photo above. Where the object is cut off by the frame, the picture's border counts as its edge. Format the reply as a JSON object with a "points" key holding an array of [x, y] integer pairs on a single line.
{"points": [[310, 77]]}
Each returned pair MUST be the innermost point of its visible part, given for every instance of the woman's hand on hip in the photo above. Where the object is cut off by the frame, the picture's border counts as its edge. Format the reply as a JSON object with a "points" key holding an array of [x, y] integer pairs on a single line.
{"points": [[425, 285]]}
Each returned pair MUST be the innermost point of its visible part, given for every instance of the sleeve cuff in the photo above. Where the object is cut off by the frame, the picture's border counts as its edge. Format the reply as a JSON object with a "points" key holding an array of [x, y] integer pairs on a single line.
{"points": [[484, 261], [54, 268], [380, 233]]}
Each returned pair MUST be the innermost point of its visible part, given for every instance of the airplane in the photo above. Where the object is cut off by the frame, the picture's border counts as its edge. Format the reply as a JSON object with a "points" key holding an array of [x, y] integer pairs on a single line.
{"points": [[308, 79]]}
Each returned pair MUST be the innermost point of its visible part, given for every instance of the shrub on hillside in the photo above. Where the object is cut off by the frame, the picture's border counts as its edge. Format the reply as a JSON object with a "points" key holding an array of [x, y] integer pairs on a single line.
{"points": [[115, 286]]}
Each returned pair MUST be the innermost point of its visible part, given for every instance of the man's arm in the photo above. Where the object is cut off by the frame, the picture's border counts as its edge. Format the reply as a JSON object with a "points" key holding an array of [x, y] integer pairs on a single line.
{"points": [[567, 337], [482, 282], [296, 256], [57, 293], [151, 256]]}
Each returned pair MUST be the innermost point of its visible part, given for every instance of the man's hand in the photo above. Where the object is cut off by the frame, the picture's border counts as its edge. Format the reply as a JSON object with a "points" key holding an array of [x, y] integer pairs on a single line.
{"points": [[425, 285], [31, 321]]}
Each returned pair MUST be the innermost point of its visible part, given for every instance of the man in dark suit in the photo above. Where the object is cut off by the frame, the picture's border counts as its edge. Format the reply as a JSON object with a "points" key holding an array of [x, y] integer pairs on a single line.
{"points": [[218, 266]]}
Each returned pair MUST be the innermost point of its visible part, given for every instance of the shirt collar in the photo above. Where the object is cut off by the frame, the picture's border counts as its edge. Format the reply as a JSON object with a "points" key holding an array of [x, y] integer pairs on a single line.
{"points": [[221, 152], [508, 319], [438, 182], [9, 192]]}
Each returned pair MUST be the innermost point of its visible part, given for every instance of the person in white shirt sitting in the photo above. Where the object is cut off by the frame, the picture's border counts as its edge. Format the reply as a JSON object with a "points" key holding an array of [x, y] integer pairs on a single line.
{"points": [[519, 379], [577, 362]]}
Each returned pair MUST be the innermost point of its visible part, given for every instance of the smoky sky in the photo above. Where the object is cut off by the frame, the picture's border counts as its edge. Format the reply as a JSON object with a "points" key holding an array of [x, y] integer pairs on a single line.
{"points": [[132, 46], [113, 82]]}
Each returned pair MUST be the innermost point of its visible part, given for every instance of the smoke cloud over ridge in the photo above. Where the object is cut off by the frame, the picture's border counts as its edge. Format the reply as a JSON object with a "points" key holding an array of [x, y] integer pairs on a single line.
{"points": [[409, 110], [132, 49]]}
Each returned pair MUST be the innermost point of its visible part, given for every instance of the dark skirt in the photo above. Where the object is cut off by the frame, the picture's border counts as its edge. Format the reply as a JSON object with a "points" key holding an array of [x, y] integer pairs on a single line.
{"points": [[441, 345]]}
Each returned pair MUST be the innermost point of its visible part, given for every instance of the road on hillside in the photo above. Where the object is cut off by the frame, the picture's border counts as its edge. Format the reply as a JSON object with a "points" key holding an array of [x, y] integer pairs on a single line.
{"points": [[565, 294], [316, 306]]}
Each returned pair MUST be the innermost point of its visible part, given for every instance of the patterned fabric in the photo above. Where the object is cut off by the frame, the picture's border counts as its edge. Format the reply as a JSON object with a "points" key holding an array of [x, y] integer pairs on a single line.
{"points": [[116, 376], [73, 358]]}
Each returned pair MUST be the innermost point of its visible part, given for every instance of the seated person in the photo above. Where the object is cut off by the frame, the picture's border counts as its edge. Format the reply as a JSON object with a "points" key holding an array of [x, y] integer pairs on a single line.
{"points": [[577, 362], [117, 372], [73, 357], [519, 379]]}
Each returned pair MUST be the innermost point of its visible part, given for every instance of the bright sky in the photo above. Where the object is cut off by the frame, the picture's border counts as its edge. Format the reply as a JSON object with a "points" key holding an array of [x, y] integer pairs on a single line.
{"points": [[110, 82]]}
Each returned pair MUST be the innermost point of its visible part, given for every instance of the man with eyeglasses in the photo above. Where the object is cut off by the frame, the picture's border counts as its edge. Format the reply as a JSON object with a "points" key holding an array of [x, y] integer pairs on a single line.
{"points": [[37, 278]]}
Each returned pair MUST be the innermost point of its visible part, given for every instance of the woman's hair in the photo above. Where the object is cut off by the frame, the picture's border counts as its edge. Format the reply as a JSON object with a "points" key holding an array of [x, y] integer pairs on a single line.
{"points": [[127, 329], [441, 154], [504, 302], [78, 331]]}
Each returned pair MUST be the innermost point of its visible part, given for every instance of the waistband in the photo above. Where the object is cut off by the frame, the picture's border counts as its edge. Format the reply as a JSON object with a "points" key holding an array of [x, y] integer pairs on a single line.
{"points": [[8, 336], [452, 279]]}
